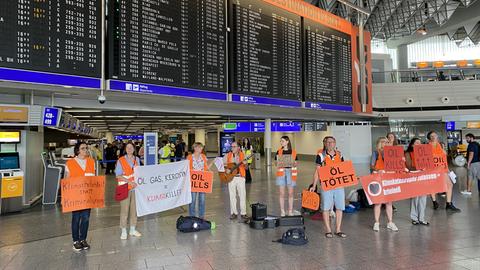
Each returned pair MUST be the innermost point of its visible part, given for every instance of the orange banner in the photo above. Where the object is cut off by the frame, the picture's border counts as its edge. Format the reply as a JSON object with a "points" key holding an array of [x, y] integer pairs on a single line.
{"points": [[313, 13], [310, 200], [84, 192], [201, 181], [390, 187], [394, 158], [337, 175]]}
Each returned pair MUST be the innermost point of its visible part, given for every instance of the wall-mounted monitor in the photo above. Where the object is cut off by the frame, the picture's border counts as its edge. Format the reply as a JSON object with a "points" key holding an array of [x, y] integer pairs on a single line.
{"points": [[9, 136]]}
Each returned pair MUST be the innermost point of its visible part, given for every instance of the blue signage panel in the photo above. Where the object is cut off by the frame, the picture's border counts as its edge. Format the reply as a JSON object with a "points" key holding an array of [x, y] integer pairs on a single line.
{"points": [[332, 107], [164, 90], [27, 76], [450, 126], [260, 127], [128, 137], [265, 101], [51, 116], [286, 127]]}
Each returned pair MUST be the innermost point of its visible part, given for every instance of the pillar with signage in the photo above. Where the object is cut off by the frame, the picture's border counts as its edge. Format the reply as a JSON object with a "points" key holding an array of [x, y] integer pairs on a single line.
{"points": [[150, 148], [268, 142]]}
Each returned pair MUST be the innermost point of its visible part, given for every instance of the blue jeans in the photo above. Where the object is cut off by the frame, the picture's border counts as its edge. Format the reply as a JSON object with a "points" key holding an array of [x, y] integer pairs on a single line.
{"points": [[80, 221], [201, 204]]}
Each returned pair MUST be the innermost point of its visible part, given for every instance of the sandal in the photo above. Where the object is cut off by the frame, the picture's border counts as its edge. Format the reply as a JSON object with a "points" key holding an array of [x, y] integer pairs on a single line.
{"points": [[329, 235], [341, 234], [424, 223], [414, 222]]}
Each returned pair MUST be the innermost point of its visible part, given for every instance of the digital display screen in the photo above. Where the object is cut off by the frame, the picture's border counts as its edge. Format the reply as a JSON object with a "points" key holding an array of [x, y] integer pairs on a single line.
{"points": [[9, 161]]}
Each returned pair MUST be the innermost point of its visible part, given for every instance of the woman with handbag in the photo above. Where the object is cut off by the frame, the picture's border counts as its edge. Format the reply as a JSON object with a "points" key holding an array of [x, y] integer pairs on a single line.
{"points": [[124, 173]]}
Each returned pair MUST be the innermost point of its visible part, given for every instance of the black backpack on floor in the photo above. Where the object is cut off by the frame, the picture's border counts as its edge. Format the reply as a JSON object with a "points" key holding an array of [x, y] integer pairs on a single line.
{"points": [[295, 237], [192, 224], [362, 199]]}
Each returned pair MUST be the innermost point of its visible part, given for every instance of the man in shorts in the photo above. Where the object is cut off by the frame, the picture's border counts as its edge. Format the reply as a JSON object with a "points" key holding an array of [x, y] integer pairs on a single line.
{"points": [[330, 155], [473, 164]]}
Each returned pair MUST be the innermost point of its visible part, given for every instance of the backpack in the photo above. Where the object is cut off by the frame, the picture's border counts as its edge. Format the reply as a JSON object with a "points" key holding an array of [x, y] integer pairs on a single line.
{"points": [[295, 237], [193, 224]]}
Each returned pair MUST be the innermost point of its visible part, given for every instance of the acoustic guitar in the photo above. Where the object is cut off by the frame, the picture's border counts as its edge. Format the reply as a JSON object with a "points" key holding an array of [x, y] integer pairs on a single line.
{"points": [[234, 170]]}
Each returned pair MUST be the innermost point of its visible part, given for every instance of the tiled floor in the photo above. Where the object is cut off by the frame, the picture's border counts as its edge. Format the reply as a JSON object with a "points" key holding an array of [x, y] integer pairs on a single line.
{"points": [[40, 238]]}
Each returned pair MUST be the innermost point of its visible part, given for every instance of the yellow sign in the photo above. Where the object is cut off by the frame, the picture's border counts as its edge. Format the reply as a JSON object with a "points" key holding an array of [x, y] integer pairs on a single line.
{"points": [[9, 136], [473, 124], [13, 114], [12, 187]]}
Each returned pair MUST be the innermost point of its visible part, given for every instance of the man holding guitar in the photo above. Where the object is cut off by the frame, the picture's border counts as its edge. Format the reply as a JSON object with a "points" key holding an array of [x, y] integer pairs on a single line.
{"points": [[235, 166]]}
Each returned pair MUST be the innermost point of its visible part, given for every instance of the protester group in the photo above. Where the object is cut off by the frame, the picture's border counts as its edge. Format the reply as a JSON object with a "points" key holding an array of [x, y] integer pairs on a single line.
{"points": [[237, 164]]}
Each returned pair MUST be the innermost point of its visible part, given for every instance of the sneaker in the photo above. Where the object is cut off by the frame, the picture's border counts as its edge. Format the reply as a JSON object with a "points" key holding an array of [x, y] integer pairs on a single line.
{"points": [[77, 246], [135, 233], [376, 227], [435, 205], [465, 192], [295, 213], [451, 207], [233, 216], [282, 213], [123, 236], [244, 217], [85, 245], [391, 226]]}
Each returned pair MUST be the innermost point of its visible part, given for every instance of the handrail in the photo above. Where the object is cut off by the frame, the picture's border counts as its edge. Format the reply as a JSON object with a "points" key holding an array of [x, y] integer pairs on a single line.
{"points": [[427, 75]]}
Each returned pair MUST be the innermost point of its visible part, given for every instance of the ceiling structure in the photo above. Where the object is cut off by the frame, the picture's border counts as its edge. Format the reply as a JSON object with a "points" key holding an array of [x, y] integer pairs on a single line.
{"points": [[406, 21]]}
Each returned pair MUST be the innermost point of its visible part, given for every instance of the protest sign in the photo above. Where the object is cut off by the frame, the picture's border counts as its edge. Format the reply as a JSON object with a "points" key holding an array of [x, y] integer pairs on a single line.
{"points": [[389, 187], [423, 157], [394, 158], [201, 181], [162, 187], [337, 175], [83, 192]]}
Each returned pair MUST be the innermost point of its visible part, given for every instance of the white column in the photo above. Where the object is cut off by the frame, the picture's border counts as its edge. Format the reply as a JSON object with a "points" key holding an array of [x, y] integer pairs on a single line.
{"points": [[109, 137], [268, 142], [200, 135]]}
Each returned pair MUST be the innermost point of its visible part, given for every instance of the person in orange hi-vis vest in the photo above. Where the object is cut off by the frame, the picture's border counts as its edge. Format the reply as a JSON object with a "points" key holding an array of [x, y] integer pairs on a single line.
{"points": [[286, 175], [377, 165], [80, 165], [438, 151], [124, 172], [237, 185], [325, 157], [198, 162]]}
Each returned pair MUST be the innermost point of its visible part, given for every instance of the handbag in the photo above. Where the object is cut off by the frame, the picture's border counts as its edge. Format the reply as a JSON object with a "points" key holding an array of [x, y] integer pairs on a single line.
{"points": [[121, 192]]}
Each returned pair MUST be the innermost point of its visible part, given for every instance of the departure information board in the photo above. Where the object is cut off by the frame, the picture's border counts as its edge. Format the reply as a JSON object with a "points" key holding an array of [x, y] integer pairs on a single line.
{"points": [[266, 51], [328, 65], [179, 43], [54, 36]]}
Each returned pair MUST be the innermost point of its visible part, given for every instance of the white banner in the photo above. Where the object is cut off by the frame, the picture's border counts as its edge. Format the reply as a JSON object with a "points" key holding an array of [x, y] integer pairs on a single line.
{"points": [[162, 187]]}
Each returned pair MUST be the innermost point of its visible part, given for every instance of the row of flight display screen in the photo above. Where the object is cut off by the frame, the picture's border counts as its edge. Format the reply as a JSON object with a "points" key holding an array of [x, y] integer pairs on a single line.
{"points": [[249, 46]]}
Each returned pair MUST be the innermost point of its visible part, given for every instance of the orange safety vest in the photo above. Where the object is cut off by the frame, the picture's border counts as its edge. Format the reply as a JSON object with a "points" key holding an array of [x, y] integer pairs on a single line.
{"points": [[281, 170], [241, 158], [327, 160], [379, 164], [205, 165], [75, 170], [437, 149], [127, 170]]}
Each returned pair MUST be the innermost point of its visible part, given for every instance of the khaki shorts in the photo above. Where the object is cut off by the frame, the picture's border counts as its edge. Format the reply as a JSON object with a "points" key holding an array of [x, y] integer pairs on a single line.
{"points": [[474, 171]]}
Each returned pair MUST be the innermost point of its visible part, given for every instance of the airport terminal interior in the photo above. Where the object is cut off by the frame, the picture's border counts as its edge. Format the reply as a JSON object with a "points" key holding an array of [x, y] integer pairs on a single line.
{"points": [[240, 134]]}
